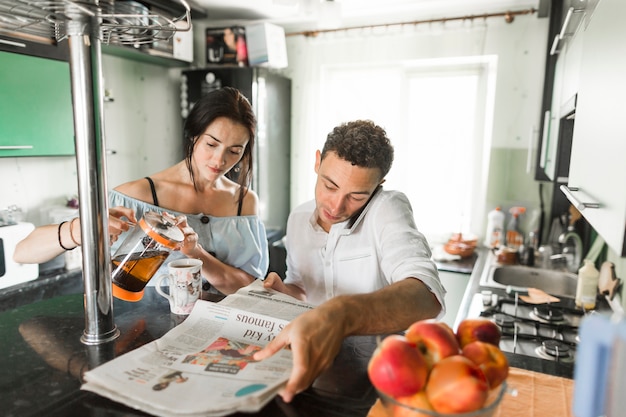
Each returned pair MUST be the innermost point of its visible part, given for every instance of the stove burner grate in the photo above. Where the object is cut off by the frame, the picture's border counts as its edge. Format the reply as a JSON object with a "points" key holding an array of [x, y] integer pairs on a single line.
{"points": [[504, 321], [554, 350], [547, 313]]}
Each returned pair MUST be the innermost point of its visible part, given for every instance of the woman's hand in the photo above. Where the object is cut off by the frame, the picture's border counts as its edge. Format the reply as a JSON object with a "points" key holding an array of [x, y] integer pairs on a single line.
{"points": [[117, 226], [190, 246]]}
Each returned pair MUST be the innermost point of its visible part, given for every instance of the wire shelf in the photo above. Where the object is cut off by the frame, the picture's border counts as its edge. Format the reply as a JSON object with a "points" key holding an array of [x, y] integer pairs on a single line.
{"points": [[119, 22]]}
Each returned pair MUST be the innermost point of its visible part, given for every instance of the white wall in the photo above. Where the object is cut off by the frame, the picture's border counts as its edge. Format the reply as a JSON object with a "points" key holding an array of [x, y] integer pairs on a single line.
{"points": [[142, 125]]}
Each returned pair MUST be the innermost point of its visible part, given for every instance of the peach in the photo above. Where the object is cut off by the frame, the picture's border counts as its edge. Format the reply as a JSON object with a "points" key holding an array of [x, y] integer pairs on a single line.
{"points": [[397, 368], [417, 401], [472, 329], [490, 359], [436, 340], [456, 385]]}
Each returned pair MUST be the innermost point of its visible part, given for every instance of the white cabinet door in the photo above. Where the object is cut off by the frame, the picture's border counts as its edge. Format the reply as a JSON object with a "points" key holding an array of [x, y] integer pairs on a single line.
{"points": [[598, 161], [455, 284]]}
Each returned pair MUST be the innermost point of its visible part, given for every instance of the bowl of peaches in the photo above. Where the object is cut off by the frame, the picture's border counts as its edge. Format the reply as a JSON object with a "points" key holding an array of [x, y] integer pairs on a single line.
{"points": [[432, 371]]}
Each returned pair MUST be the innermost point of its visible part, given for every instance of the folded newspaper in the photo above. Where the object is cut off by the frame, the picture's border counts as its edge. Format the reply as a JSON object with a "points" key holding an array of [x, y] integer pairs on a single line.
{"points": [[204, 366]]}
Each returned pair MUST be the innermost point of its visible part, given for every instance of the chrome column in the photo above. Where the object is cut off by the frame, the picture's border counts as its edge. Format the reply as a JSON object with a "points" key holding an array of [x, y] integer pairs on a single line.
{"points": [[86, 75]]}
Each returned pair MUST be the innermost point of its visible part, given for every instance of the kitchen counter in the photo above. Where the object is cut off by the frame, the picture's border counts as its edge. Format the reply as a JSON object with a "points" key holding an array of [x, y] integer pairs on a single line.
{"points": [[515, 360], [544, 366], [43, 358]]}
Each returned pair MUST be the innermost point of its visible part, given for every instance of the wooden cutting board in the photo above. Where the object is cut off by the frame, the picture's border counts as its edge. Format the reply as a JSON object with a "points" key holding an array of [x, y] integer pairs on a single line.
{"points": [[531, 394]]}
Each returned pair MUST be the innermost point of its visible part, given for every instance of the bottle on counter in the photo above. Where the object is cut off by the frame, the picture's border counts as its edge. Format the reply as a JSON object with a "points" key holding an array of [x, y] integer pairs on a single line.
{"points": [[495, 228], [514, 235], [587, 286]]}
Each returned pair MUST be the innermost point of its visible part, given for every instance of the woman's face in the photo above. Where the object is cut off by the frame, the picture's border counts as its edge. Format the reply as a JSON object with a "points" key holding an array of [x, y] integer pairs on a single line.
{"points": [[219, 148]]}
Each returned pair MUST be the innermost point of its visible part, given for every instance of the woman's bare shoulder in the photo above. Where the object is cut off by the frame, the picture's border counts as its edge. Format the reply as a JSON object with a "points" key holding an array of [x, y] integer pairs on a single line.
{"points": [[139, 189], [250, 205]]}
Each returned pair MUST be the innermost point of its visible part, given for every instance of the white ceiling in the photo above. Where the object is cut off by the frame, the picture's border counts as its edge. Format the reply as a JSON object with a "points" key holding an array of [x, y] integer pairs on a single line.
{"points": [[296, 15]]}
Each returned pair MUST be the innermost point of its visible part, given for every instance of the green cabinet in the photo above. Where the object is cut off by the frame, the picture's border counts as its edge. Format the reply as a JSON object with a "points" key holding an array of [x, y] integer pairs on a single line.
{"points": [[36, 116]]}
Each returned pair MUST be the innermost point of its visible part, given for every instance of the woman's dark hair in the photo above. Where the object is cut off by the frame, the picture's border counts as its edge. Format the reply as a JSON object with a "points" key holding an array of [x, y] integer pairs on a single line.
{"points": [[362, 143], [230, 103]]}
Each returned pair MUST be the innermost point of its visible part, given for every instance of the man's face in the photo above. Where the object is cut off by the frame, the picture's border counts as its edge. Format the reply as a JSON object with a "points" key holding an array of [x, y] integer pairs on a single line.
{"points": [[341, 189]]}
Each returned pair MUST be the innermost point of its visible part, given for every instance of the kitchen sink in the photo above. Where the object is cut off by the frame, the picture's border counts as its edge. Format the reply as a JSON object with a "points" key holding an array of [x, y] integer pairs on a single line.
{"points": [[519, 278]]}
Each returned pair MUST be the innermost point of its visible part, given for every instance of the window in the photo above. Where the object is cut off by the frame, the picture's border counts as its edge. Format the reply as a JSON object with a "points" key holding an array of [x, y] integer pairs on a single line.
{"points": [[438, 116]]}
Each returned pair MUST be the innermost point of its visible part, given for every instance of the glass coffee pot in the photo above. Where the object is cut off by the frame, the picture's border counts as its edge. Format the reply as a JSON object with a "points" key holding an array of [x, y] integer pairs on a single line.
{"points": [[142, 253]]}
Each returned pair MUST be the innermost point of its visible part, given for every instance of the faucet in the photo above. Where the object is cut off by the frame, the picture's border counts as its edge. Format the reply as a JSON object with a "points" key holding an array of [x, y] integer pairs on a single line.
{"points": [[564, 239]]}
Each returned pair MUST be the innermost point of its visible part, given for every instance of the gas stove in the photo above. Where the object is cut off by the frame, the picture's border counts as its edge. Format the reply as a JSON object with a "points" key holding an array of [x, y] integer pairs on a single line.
{"points": [[544, 331]]}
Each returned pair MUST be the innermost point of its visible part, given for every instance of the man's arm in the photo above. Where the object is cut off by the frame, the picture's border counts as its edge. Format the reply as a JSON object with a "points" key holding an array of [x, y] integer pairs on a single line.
{"points": [[315, 337]]}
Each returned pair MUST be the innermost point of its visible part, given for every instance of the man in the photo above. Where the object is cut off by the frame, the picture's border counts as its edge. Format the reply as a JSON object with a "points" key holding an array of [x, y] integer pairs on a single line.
{"points": [[356, 253]]}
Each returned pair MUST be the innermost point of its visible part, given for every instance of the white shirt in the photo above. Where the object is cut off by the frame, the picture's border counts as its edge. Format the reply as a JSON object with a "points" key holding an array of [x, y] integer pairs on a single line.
{"points": [[381, 247]]}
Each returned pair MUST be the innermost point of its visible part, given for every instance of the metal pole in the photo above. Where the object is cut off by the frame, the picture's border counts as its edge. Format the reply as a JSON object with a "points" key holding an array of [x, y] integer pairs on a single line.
{"points": [[85, 70]]}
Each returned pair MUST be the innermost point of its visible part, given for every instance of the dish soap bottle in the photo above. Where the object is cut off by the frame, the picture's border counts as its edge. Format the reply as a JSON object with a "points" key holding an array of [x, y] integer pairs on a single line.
{"points": [[587, 286], [495, 228]]}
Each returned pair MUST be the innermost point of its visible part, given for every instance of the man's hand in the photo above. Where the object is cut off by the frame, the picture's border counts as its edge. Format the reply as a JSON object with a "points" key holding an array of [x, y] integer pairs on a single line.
{"points": [[273, 281], [315, 339]]}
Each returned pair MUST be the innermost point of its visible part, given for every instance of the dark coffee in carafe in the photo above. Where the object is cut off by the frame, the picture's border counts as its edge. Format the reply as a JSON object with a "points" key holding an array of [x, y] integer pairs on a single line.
{"points": [[132, 272]]}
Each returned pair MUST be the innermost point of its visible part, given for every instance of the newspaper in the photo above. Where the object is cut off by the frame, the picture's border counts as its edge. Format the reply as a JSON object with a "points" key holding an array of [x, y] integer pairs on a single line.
{"points": [[204, 366]]}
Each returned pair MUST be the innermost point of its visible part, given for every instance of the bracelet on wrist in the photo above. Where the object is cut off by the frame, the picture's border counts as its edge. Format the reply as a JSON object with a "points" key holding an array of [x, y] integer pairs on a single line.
{"points": [[59, 235]]}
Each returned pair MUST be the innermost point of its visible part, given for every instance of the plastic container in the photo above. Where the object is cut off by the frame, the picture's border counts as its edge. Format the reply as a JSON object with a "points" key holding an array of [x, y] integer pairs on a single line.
{"points": [[587, 286], [495, 228], [142, 253], [514, 236]]}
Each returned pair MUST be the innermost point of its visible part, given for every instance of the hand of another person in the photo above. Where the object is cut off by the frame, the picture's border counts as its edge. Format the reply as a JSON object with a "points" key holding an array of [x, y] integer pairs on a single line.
{"points": [[315, 338], [116, 225]]}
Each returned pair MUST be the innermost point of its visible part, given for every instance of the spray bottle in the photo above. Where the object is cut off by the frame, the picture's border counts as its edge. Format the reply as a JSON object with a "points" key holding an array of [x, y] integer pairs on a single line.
{"points": [[514, 236]]}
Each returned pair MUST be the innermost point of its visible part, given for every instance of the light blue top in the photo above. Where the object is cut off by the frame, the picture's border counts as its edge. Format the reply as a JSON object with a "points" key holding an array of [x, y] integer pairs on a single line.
{"points": [[238, 241]]}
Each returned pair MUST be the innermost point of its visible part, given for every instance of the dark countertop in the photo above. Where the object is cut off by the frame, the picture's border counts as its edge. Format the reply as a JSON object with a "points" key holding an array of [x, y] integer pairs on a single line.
{"points": [[43, 358], [463, 265], [40, 327]]}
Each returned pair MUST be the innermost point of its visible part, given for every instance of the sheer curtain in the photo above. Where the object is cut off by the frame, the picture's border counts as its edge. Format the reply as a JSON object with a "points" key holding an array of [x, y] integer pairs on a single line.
{"points": [[431, 88]]}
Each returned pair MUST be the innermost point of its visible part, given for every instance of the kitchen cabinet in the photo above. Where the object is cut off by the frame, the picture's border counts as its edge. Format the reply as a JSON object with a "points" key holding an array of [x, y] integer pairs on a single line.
{"points": [[553, 160], [455, 284], [597, 177], [36, 117]]}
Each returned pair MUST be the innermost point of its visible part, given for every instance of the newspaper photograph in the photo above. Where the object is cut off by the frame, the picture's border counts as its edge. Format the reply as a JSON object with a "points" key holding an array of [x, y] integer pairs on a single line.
{"points": [[204, 366]]}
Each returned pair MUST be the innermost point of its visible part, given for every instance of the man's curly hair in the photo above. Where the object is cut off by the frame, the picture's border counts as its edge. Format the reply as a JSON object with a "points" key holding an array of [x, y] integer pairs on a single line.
{"points": [[362, 143]]}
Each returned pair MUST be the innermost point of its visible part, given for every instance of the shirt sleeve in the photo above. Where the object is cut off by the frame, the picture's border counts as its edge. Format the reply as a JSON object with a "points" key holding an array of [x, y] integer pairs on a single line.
{"points": [[405, 250]]}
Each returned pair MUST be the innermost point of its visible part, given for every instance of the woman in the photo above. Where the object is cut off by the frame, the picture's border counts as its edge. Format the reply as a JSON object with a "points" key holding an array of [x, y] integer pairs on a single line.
{"points": [[219, 134]]}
